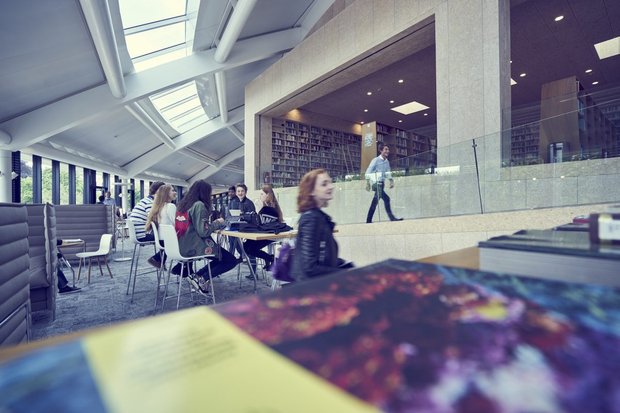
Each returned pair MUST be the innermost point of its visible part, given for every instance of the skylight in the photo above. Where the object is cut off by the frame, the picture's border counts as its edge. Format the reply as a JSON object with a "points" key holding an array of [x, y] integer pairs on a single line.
{"points": [[608, 48], [409, 108], [181, 107]]}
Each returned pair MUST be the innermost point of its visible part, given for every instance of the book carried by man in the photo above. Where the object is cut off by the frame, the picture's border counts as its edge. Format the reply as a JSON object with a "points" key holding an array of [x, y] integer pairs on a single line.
{"points": [[559, 255]]}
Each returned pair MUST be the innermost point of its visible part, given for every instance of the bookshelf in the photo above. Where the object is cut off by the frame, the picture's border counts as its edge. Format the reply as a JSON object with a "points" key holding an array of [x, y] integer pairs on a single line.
{"points": [[408, 150], [297, 148]]}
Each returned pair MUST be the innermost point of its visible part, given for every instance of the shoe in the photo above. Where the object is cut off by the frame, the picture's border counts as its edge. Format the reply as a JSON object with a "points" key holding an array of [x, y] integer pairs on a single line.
{"points": [[154, 262], [67, 289], [396, 219], [199, 284]]}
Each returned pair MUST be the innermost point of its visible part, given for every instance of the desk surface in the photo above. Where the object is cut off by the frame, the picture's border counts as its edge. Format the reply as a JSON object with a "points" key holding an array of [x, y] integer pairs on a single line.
{"points": [[259, 236], [409, 336]]}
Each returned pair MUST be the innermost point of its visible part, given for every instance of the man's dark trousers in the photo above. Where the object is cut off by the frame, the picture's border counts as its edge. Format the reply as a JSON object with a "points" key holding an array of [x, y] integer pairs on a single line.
{"points": [[379, 191]]}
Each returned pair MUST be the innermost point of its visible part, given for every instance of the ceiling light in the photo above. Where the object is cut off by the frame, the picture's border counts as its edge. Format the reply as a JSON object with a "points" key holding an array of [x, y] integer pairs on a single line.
{"points": [[557, 19], [391, 101], [426, 114], [361, 123], [588, 70], [400, 121], [511, 62], [369, 93], [400, 80], [365, 110], [595, 82], [523, 75], [608, 48], [512, 82], [409, 108]]}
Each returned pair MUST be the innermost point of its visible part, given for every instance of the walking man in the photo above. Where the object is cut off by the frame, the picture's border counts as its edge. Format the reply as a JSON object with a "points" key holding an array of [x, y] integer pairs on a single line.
{"points": [[376, 174]]}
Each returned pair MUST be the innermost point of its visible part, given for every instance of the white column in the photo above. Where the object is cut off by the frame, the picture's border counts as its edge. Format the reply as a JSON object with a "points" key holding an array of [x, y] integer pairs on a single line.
{"points": [[125, 197], [6, 167]]}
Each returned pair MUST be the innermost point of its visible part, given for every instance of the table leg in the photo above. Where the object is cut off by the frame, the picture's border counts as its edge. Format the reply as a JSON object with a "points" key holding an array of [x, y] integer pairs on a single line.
{"points": [[247, 260]]}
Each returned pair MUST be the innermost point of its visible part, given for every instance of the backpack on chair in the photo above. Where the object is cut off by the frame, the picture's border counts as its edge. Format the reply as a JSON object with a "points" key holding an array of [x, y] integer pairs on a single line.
{"points": [[181, 223], [281, 269]]}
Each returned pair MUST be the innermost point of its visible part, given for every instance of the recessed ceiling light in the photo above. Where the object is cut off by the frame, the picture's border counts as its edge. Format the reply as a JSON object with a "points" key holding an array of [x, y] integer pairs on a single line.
{"points": [[426, 114], [365, 110], [557, 19], [608, 48], [361, 123], [588, 70], [400, 121], [409, 108], [369, 93], [391, 101], [523, 75], [511, 62], [595, 82], [512, 82], [400, 80]]}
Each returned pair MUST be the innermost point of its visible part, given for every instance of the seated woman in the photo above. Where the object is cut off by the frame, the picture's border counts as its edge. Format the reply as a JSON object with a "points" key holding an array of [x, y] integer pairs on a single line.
{"points": [[197, 238], [316, 250], [163, 211], [269, 212]]}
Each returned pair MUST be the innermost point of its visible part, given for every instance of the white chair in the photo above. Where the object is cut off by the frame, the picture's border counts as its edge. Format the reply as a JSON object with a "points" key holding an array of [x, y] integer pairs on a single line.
{"points": [[135, 259], [102, 252], [161, 250], [169, 236]]}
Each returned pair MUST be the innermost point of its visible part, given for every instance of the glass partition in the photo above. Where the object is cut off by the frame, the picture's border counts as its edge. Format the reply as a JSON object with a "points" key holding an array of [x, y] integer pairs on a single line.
{"points": [[564, 159]]}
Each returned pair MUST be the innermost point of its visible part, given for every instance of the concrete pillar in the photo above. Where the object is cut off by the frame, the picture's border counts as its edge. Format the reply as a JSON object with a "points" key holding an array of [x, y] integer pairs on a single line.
{"points": [[6, 167], [473, 93]]}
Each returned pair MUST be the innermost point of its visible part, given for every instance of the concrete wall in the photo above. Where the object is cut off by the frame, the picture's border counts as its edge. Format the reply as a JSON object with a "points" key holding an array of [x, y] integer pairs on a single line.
{"points": [[472, 45]]}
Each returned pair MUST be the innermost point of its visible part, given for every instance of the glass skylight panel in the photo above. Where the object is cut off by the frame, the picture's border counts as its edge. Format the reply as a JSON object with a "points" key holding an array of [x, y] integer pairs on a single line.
{"points": [[181, 107], [139, 12], [608, 48], [159, 59], [143, 43], [168, 98], [173, 111]]}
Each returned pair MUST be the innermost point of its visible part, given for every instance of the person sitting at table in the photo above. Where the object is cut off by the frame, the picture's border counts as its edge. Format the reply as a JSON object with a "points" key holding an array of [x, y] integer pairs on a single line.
{"points": [[197, 239], [269, 212], [62, 282], [246, 206], [139, 215], [316, 250], [163, 211]]}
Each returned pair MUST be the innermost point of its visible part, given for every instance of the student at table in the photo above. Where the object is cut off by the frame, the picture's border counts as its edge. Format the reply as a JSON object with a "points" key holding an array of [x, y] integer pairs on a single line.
{"points": [[269, 212], [316, 249], [163, 211], [197, 240]]}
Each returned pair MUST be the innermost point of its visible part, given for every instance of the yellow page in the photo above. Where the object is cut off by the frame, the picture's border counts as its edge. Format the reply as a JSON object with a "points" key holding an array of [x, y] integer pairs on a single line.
{"points": [[197, 361]]}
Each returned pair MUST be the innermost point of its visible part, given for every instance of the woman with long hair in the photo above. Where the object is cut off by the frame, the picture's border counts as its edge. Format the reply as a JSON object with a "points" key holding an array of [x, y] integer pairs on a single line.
{"points": [[197, 239], [316, 250], [269, 212], [163, 211]]}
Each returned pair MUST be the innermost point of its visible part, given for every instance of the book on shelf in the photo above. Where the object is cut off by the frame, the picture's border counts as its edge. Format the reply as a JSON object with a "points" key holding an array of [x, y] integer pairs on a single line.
{"points": [[565, 255]]}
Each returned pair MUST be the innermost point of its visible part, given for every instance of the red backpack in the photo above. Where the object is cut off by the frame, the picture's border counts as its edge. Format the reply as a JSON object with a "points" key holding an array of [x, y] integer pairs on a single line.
{"points": [[181, 223]]}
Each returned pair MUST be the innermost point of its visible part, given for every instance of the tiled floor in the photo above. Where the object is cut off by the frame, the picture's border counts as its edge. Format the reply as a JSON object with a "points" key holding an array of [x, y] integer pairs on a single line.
{"points": [[104, 301]]}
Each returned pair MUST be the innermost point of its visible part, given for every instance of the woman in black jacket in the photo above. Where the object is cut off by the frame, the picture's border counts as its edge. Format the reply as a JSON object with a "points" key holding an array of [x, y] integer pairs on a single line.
{"points": [[316, 250]]}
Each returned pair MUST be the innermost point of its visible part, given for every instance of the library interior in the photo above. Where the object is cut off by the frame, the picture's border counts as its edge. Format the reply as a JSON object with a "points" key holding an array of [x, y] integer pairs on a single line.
{"points": [[391, 205]]}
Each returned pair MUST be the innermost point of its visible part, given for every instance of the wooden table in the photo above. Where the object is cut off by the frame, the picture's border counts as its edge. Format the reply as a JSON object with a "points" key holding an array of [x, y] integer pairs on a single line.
{"points": [[71, 243], [256, 236]]}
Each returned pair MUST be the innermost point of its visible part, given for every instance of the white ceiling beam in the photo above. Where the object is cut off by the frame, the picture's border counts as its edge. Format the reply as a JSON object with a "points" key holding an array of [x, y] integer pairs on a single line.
{"points": [[139, 113], [99, 21], [67, 113], [318, 9], [222, 164], [158, 154], [220, 86], [238, 19], [233, 129], [208, 160]]}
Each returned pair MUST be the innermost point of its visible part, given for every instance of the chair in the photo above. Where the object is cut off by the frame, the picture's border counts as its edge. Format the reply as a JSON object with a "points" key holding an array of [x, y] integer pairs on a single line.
{"points": [[161, 250], [103, 251], [169, 236], [137, 245]]}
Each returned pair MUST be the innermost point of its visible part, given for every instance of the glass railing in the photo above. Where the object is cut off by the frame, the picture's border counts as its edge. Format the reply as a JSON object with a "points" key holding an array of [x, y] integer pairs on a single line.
{"points": [[563, 160]]}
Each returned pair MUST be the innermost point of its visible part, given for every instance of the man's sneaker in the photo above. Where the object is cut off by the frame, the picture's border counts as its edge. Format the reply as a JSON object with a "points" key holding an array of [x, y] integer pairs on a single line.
{"points": [[67, 289], [154, 262], [199, 284]]}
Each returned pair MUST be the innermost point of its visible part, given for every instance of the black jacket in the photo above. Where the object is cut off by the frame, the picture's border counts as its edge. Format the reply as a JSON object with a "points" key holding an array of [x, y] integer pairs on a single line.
{"points": [[316, 250], [246, 206]]}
